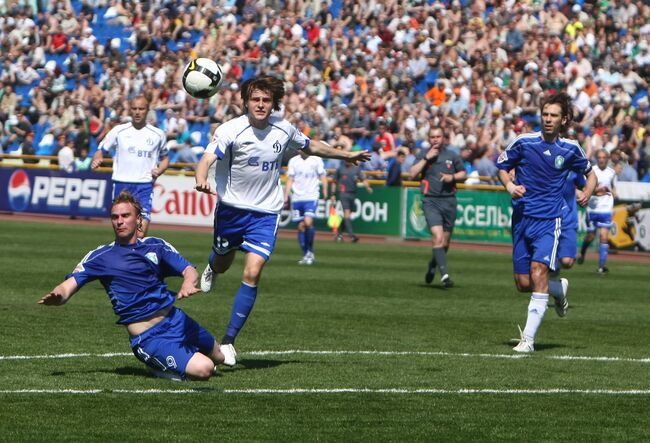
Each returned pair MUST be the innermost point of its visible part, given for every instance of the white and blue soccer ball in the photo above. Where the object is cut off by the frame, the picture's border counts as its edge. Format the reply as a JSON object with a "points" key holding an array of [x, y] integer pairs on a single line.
{"points": [[202, 77]]}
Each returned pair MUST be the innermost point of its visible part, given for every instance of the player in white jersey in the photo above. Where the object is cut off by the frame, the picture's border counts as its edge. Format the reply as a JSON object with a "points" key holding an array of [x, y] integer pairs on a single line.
{"points": [[599, 211], [304, 175], [248, 151], [140, 156]]}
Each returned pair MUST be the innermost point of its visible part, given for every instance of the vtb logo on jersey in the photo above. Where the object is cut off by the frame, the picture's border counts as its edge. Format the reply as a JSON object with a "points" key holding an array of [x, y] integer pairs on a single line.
{"points": [[277, 147]]}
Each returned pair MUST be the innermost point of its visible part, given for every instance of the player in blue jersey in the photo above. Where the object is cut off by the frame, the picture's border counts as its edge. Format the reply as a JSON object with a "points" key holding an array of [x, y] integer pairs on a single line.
{"points": [[140, 156], [247, 152], [132, 272], [542, 162]]}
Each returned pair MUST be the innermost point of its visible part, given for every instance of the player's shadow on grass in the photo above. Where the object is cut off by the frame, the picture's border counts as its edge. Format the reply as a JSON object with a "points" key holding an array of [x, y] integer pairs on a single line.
{"points": [[248, 363], [538, 346], [437, 286]]}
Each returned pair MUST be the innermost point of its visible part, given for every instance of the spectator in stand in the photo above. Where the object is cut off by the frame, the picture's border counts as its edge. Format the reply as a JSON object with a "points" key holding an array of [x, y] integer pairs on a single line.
{"points": [[394, 170]]}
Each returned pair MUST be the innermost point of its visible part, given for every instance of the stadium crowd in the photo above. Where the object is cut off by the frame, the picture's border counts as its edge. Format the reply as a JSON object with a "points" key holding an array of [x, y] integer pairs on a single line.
{"points": [[373, 75]]}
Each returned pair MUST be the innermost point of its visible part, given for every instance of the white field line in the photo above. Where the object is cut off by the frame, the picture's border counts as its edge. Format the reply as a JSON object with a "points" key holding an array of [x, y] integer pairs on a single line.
{"points": [[298, 391], [371, 353]]}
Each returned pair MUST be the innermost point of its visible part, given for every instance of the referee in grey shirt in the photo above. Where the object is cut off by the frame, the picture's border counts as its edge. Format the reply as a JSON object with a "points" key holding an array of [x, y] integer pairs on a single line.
{"points": [[439, 170]]}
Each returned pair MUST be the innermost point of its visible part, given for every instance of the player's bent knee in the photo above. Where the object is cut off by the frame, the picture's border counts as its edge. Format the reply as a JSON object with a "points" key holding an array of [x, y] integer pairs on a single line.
{"points": [[522, 282], [567, 262], [199, 367]]}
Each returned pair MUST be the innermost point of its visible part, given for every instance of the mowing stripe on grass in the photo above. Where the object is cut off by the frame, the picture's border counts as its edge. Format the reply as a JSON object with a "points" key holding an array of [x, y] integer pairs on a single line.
{"points": [[371, 353], [299, 391]]}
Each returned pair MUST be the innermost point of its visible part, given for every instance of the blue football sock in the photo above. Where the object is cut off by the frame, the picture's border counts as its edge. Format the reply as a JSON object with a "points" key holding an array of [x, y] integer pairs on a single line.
{"points": [[241, 308], [603, 250], [302, 240], [309, 238]]}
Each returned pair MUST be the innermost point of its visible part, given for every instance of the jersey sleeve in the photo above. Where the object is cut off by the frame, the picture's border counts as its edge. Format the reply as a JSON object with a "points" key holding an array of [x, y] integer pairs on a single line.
{"points": [[581, 164], [458, 163], [109, 142], [90, 268], [163, 151], [321, 167], [298, 140], [511, 157], [172, 262], [220, 142]]}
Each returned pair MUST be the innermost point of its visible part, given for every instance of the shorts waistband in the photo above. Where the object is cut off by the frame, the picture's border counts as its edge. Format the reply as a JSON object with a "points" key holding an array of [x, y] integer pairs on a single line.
{"points": [[155, 327]]}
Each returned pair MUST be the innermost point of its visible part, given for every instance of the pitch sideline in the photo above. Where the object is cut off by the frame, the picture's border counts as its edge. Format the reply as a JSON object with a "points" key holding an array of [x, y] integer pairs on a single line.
{"points": [[298, 391], [604, 359]]}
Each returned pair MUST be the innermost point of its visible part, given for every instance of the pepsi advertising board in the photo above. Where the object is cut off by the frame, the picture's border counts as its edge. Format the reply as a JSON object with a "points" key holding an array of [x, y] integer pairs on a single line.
{"points": [[85, 194]]}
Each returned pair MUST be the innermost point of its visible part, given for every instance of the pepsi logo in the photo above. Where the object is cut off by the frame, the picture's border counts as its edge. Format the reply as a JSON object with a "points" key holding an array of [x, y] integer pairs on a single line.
{"points": [[19, 190]]}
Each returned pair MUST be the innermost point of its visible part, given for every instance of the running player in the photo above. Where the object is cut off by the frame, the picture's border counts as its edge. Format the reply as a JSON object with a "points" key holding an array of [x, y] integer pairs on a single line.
{"points": [[140, 157], [247, 151], [132, 270], [599, 211], [542, 161], [304, 174], [440, 169]]}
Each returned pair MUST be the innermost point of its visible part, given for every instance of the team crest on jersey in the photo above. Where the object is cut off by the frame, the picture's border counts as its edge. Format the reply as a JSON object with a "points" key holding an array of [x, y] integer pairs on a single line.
{"points": [[502, 157], [150, 141], [559, 161], [152, 257], [277, 147], [449, 163]]}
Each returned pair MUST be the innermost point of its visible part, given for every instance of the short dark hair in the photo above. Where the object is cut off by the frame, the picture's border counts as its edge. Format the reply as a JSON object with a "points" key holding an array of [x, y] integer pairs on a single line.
{"points": [[564, 100], [126, 197], [264, 83]]}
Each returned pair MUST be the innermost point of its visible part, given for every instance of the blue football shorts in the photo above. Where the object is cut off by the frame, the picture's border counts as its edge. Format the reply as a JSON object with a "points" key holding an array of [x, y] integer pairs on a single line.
{"points": [[534, 239], [598, 220], [142, 192], [300, 210], [250, 231], [568, 242], [170, 344]]}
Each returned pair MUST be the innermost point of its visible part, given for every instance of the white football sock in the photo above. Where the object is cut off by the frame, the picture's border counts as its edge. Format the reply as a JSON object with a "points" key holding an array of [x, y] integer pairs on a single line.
{"points": [[536, 309]]}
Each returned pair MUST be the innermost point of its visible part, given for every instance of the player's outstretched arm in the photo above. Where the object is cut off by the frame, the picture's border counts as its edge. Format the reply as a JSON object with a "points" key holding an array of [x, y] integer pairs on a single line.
{"points": [[201, 175], [190, 282], [322, 149], [60, 294]]}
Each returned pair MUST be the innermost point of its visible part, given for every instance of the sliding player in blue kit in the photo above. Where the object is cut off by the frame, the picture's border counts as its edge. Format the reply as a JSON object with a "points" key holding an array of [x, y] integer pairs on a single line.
{"points": [[248, 152], [542, 162], [132, 272]]}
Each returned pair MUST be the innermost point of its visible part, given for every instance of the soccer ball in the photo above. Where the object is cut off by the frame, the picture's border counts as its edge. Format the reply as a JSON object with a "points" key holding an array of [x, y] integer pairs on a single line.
{"points": [[202, 78]]}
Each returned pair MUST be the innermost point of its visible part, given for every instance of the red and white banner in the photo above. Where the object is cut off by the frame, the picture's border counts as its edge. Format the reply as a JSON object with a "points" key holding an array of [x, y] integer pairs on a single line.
{"points": [[175, 201]]}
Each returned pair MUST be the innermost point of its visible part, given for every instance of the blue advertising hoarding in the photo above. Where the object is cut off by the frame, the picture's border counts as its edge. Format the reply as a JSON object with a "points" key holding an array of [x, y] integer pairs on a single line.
{"points": [[42, 191]]}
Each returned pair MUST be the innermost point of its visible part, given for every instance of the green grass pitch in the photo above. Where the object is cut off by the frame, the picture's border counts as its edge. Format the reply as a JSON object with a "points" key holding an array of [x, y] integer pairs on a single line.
{"points": [[420, 364]]}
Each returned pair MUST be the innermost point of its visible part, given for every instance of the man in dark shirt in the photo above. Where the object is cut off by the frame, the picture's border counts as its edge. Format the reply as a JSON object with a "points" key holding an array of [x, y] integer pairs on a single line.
{"points": [[345, 179], [439, 169], [394, 172]]}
